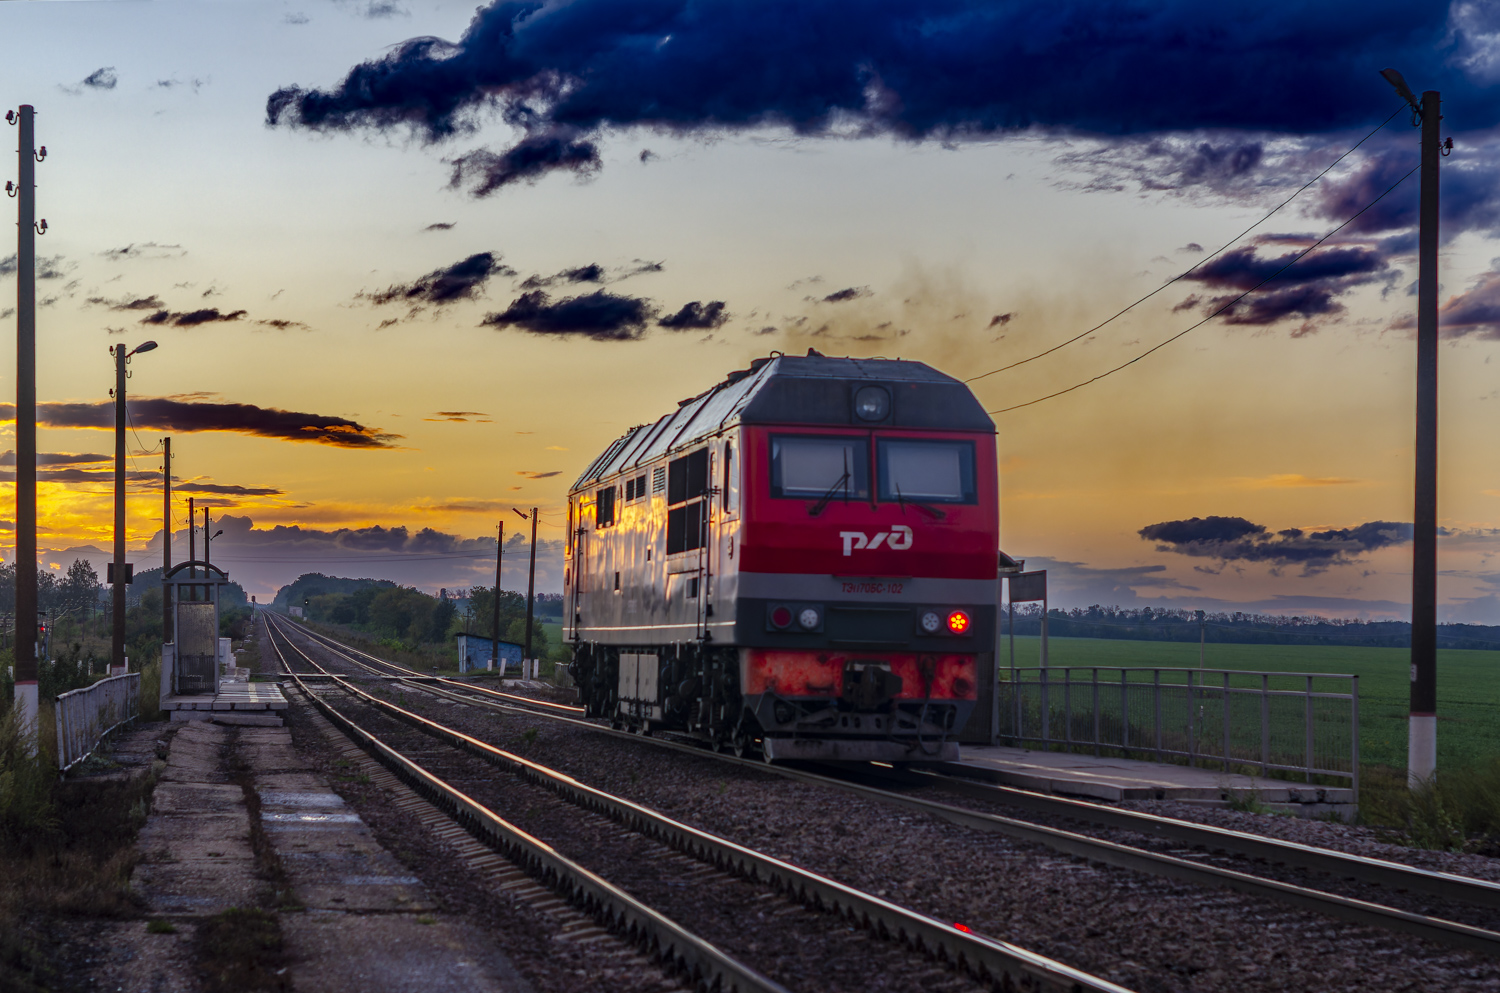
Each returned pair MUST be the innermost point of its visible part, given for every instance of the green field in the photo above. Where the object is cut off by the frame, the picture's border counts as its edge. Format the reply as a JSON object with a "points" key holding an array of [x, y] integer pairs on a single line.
{"points": [[1468, 685]]}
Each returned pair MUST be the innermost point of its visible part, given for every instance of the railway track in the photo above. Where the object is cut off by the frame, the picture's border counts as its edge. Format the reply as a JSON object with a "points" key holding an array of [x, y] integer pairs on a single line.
{"points": [[793, 904], [1437, 906]]}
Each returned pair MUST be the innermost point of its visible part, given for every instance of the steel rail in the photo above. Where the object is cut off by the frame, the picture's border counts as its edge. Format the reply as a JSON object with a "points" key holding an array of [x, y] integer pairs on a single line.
{"points": [[1361, 868], [339, 648], [664, 939], [986, 958]]}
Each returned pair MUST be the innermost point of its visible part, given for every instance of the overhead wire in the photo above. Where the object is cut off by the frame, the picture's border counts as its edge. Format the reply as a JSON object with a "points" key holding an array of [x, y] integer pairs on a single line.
{"points": [[1197, 265], [1299, 256]]}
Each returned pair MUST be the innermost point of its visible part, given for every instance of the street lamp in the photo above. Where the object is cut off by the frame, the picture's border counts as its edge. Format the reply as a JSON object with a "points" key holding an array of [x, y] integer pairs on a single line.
{"points": [[119, 572], [530, 589]]}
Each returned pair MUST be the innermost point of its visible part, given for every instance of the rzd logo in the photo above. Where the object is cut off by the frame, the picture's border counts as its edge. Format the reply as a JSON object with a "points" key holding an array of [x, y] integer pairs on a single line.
{"points": [[897, 538]]}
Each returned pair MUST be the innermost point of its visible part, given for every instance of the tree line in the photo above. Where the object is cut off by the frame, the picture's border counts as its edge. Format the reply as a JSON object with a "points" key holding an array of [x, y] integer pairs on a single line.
{"points": [[1236, 627]]}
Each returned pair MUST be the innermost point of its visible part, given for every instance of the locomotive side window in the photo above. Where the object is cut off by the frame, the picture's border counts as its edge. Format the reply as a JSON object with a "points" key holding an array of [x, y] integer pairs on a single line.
{"points": [[604, 507], [731, 481], [687, 483], [926, 471], [809, 468]]}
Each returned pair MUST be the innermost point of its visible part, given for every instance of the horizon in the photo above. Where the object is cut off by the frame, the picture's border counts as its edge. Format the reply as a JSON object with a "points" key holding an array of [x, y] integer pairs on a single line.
{"points": [[384, 323]]}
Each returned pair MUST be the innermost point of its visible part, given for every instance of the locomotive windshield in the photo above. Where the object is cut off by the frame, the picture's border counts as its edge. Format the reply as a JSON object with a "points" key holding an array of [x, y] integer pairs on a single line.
{"points": [[926, 471], [814, 468]]}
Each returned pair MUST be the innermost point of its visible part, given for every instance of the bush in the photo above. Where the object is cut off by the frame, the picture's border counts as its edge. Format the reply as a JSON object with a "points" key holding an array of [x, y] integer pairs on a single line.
{"points": [[28, 816]]}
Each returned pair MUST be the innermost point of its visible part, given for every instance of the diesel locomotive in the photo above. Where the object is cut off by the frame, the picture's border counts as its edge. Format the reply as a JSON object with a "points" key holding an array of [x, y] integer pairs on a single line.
{"points": [[800, 562]]}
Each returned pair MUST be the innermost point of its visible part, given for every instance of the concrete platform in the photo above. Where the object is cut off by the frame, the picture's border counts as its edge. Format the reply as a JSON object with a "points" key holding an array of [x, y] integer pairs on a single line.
{"points": [[1116, 779], [353, 918], [238, 702]]}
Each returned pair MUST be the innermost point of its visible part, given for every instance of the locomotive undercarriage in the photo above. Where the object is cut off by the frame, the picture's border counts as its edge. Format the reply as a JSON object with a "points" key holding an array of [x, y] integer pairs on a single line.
{"points": [[695, 688]]}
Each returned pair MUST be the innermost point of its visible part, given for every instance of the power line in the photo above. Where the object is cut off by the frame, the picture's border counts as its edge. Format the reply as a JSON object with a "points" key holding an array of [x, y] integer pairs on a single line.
{"points": [[1197, 265], [1300, 255]]}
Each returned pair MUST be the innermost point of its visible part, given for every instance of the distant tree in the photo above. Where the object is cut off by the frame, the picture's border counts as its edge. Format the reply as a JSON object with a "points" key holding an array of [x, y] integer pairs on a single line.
{"points": [[80, 587]]}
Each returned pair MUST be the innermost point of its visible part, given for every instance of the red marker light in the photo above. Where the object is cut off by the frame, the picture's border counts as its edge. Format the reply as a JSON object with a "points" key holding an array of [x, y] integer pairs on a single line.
{"points": [[962, 927], [781, 617], [958, 622]]}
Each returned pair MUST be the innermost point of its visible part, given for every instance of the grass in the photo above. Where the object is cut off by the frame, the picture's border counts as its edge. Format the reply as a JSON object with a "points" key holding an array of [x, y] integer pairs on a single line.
{"points": [[241, 950], [66, 851], [1468, 686]]}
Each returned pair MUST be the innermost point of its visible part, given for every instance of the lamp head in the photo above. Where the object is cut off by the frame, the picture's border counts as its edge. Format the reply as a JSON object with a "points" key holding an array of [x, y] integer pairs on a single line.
{"points": [[1402, 90], [144, 346], [522, 514]]}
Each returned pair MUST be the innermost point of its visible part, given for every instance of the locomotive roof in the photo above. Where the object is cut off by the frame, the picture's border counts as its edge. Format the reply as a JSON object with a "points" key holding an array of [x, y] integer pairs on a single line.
{"points": [[799, 389]]}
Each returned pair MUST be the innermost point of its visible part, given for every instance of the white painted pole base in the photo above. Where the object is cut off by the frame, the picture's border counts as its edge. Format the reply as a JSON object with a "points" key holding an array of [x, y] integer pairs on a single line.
{"points": [[1421, 750], [26, 712]]}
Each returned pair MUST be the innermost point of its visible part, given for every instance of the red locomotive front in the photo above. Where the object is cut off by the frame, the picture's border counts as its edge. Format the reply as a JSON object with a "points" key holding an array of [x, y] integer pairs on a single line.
{"points": [[802, 561]]}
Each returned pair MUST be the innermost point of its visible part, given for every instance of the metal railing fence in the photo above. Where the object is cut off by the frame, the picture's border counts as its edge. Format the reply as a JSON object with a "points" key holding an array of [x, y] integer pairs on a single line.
{"points": [[86, 715], [1289, 721]]}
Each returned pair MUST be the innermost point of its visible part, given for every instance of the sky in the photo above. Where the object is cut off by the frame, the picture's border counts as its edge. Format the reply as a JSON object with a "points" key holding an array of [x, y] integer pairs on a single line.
{"points": [[411, 265]]}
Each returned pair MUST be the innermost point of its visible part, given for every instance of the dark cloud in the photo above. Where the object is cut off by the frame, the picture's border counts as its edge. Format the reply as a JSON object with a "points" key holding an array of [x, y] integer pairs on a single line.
{"points": [[376, 10], [591, 273], [460, 416], [1000, 320], [852, 293], [1235, 539], [1476, 311], [696, 316], [281, 324], [946, 69], [441, 226], [226, 489], [56, 458], [1309, 289], [540, 475], [460, 281], [641, 267], [187, 414], [261, 559], [47, 267], [143, 250], [548, 150], [152, 302], [295, 18], [102, 79], [192, 318], [601, 315]]}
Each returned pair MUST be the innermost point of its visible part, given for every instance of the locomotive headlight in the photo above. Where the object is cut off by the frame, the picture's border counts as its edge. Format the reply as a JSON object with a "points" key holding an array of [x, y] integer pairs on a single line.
{"points": [[808, 618], [958, 622], [781, 617], [932, 622], [872, 403]]}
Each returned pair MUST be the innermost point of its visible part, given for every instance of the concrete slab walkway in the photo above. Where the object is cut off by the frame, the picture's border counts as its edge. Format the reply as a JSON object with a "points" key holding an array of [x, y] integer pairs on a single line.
{"points": [[352, 918], [1115, 779]]}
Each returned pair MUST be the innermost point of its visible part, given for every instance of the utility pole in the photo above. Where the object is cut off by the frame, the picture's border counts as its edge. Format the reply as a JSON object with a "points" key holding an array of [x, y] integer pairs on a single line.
{"points": [[192, 548], [206, 539], [120, 577], [27, 228], [117, 577], [166, 538], [530, 582], [1201, 638], [494, 632], [1421, 749]]}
